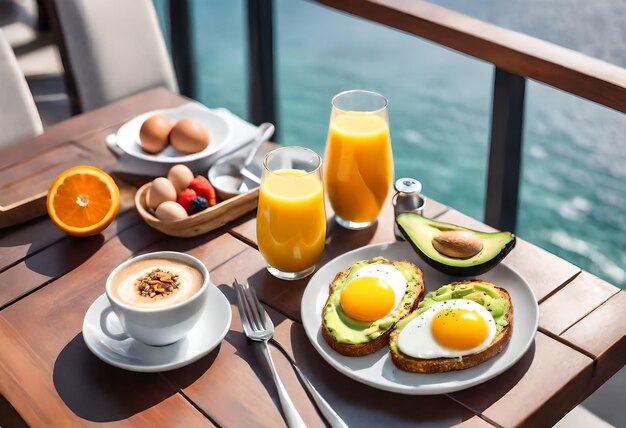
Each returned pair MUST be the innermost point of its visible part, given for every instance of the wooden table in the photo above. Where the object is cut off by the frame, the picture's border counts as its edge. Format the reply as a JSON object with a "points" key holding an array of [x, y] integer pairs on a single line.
{"points": [[48, 377]]}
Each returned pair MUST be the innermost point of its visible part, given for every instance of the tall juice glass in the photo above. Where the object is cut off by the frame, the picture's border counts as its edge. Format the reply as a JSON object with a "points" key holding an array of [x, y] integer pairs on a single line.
{"points": [[291, 219], [358, 162]]}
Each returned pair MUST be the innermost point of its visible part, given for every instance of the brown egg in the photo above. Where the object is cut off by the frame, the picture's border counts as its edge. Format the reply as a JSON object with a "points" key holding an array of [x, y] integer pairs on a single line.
{"points": [[180, 176], [188, 136], [161, 190], [170, 211], [154, 133]]}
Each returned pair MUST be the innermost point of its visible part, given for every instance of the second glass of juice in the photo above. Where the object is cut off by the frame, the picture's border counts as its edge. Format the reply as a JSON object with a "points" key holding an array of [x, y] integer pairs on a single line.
{"points": [[291, 218], [358, 161]]}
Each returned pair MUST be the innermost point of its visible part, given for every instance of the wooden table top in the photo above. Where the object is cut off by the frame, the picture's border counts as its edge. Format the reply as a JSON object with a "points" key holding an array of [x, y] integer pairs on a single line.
{"points": [[48, 377]]}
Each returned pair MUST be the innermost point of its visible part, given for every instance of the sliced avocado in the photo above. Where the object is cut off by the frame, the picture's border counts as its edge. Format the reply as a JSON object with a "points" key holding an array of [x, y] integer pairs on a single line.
{"points": [[420, 231]]}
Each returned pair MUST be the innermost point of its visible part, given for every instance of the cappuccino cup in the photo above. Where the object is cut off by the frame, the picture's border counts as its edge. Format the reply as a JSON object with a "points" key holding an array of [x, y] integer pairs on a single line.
{"points": [[158, 297]]}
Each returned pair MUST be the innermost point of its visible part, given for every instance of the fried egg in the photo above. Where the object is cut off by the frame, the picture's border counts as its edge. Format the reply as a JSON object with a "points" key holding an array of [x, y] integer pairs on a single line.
{"points": [[452, 328], [374, 292]]}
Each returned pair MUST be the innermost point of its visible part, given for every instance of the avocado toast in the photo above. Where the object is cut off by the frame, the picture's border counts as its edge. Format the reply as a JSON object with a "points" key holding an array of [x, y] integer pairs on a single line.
{"points": [[357, 337], [495, 300]]}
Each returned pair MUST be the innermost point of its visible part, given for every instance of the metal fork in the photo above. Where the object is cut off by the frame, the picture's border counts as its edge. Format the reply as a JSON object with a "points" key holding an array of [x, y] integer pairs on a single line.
{"points": [[259, 327]]}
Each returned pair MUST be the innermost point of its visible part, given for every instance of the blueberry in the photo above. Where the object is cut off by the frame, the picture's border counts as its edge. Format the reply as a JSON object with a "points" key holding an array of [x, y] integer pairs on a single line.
{"points": [[199, 203]]}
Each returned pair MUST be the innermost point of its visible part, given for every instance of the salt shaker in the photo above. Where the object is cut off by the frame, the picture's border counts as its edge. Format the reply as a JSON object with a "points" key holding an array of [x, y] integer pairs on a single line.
{"points": [[406, 200]]}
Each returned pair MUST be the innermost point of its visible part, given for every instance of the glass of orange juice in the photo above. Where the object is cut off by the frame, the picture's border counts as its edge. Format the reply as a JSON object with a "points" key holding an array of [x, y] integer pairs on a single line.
{"points": [[358, 169], [291, 219]]}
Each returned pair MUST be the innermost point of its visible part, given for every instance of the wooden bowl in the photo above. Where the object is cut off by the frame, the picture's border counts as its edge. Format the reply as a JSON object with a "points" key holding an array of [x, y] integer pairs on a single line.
{"points": [[201, 222]]}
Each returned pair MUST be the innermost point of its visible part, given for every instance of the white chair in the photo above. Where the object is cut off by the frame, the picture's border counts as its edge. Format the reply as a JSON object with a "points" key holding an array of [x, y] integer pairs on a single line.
{"points": [[114, 48], [19, 119]]}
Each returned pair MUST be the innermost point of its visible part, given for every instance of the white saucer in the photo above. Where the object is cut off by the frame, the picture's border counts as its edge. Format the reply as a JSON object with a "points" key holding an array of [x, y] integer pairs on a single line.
{"points": [[129, 354]]}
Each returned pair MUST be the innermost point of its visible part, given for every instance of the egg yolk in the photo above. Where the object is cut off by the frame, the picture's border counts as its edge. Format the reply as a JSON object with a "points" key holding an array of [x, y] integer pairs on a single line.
{"points": [[459, 329], [367, 299]]}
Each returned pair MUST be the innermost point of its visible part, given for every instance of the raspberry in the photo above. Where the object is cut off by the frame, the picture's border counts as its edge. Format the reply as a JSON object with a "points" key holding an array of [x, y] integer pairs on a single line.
{"points": [[185, 199], [199, 203], [203, 188]]}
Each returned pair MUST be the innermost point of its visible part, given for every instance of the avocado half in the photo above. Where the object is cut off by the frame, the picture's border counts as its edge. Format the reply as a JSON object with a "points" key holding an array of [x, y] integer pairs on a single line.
{"points": [[420, 231]]}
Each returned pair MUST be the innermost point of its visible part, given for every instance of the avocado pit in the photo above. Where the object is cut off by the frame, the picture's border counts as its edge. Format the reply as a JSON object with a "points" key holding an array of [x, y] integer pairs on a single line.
{"points": [[458, 244]]}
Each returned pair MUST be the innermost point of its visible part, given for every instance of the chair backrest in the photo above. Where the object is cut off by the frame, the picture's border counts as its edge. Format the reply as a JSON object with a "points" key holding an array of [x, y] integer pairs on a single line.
{"points": [[114, 48], [19, 119]]}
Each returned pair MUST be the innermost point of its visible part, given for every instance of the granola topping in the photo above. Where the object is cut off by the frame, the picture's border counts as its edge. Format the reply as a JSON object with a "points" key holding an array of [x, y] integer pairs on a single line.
{"points": [[157, 283]]}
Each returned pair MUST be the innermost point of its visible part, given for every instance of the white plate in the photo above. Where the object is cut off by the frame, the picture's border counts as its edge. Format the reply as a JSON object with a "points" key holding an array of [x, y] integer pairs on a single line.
{"points": [[217, 127], [376, 369], [127, 353]]}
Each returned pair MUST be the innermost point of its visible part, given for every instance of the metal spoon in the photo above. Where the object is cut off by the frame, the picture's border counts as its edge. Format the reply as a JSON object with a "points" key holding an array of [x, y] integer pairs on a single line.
{"points": [[266, 130]]}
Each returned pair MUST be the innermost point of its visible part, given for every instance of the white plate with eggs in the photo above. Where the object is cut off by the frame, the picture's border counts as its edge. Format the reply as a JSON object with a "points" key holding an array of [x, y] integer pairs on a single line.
{"points": [[215, 125], [377, 369]]}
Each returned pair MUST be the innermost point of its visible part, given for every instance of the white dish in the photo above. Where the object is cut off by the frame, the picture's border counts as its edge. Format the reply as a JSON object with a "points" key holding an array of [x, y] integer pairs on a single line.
{"points": [[377, 369], [121, 351], [127, 137]]}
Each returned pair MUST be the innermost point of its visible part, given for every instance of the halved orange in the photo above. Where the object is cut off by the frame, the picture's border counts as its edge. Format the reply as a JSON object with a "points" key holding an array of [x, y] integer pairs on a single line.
{"points": [[83, 200]]}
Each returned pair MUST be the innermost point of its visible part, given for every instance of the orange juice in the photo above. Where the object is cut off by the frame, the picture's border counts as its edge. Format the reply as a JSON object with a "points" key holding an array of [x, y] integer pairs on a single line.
{"points": [[359, 165], [291, 220]]}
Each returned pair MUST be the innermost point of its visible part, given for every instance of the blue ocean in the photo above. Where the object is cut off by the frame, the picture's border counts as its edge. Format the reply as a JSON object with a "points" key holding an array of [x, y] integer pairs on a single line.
{"points": [[573, 191]]}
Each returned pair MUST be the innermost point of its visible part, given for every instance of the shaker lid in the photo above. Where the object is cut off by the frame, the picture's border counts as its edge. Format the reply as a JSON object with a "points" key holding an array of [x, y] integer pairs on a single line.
{"points": [[408, 185]]}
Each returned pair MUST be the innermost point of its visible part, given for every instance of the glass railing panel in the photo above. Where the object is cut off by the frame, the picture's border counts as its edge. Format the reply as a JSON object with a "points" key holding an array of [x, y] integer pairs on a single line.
{"points": [[573, 193]]}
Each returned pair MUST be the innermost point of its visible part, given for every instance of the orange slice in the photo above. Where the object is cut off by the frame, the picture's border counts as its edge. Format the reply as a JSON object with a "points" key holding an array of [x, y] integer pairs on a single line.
{"points": [[83, 200]]}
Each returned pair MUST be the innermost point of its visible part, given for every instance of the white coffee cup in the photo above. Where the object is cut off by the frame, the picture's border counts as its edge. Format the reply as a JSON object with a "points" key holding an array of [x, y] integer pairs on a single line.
{"points": [[163, 325]]}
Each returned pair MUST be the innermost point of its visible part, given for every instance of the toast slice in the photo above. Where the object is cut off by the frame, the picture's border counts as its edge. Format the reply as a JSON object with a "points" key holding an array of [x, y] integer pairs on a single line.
{"points": [[379, 335], [440, 365]]}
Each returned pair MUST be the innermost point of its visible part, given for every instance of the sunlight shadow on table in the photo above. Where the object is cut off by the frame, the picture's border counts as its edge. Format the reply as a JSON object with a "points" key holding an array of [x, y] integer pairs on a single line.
{"points": [[340, 239], [9, 416], [66, 255], [29, 233], [98, 392]]}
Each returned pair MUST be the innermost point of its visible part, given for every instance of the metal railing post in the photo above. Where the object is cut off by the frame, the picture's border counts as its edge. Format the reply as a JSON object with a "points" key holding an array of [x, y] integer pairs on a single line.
{"points": [[262, 93], [503, 176], [181, 36]]}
